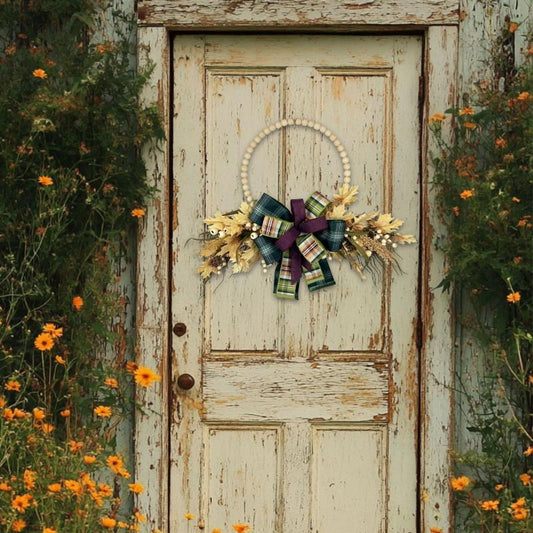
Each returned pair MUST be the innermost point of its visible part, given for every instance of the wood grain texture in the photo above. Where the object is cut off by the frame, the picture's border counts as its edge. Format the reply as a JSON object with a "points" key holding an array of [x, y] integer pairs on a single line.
{"points": [[437, 320], [231, 14], [292, 391], [151, 427]]}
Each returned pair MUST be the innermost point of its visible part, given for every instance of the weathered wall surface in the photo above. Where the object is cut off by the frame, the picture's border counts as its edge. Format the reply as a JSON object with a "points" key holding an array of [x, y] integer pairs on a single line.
{"points": [[482, 21]]}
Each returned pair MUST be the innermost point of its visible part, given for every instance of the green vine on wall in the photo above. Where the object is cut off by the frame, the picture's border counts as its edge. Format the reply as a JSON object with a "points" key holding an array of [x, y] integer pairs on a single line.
{"points": [[484, 181], [72, 188]]}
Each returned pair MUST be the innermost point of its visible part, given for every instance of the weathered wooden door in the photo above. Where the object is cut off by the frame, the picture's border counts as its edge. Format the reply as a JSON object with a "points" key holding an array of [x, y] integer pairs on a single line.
{"points": [[304, 414]]}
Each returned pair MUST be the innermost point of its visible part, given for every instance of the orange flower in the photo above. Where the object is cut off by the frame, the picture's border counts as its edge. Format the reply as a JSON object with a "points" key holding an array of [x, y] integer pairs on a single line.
{"points": [[38, 414], [5, 487], [2, 402], [89, 459], [241, 528], [105, 490], [9, 414], [456, 211], [75, 445], [216, 530], [138, 212], [470, 125], [18, 413], [45, 181], [490, 505], [437, 117], [77, 302], [65, 413], [21, 503], [73, 486], [18, 525], [54, 487], [145, 376], [466, 111], [115, 463], [108, 522], [513, 27], [102, 411], [467, 193], [498, 487], [44, 342], [513, 297], [49, 530], [53, 330], [131, 367], [140, 517], [12, 385], [523, 96], [190, 516], [515, 199], [529, 451], [525, 479], [60, 360], [500, 143], [136, 488], [435, 530], [29, 479], [460, 483], [111, 382], [40, 73], [47, 428], [520, 514]]}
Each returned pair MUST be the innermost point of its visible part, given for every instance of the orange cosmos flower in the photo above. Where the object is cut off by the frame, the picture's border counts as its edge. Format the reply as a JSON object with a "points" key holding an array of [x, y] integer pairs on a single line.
{"points": [[44, 342], [216, 530], [435, 530], [467, 193], [18, 413], [53, 330], [498, 487], [190, 516], [460, 483], [18, 525], [29, 479], [2, 402], [145, 376], [73, 486], [9, 414], [525, 479], [89, 459], [513, 27], [513, 297], [138, 212], [12, 385], [131, 367], [490, 505], [520, 514], [105, 490], [47, 428], [102, 411], [515, 200], [108, 522], [21, 503], [54, 487], [115, 463], [136, 488], [241, 528], [466, 111], [65, 413], [140, 517], [75, 445], [470, 125], [5, 487], [45, 181], [49, 530], [38, 414], [529, 451], [437, 117], [111, 382], [60, 360], [40, 73], [77, 302], [500, 143], [523, 96]]}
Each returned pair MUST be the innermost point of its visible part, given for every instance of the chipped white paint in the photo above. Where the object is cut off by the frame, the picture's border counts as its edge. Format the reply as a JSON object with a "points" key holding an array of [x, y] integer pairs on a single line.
{"points": [[286, 388], [228, 14]]}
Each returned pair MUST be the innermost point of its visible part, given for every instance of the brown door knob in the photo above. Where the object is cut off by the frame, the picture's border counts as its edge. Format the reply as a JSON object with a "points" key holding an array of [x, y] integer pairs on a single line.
{"points": [[179, 329], [185, 381]]}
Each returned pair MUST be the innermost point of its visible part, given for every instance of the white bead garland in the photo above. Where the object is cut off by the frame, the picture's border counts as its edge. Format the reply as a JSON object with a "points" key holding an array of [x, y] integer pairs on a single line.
{"points": [[347, 173]]}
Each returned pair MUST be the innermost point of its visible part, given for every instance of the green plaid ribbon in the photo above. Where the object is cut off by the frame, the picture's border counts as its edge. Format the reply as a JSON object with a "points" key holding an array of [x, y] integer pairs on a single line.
{"points": [[275, 219]]}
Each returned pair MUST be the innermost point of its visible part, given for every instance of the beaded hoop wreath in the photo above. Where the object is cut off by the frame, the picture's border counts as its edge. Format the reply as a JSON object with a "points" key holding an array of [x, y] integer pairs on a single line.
{"points": [[300, 241]]}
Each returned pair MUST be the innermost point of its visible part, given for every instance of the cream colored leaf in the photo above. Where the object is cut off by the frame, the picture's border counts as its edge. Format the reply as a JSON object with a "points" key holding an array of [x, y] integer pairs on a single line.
{"points": [[347, 194], [336, 212], [386, 223], [403, 239]]}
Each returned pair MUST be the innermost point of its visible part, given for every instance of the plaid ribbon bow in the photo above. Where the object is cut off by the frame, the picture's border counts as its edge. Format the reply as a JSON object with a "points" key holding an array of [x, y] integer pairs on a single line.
{"points": [[298, 242]]}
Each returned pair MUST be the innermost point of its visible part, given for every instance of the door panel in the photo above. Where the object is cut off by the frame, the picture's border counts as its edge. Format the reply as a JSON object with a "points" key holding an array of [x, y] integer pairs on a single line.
{"points": [[304, 416]]}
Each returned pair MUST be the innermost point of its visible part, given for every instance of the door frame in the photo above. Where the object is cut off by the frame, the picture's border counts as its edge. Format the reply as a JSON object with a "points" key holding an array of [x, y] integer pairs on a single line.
{"points": [[158, 21]]}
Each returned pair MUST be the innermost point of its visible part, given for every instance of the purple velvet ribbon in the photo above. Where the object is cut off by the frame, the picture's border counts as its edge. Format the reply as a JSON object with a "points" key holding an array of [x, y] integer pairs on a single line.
{"points": [[288, 240]]}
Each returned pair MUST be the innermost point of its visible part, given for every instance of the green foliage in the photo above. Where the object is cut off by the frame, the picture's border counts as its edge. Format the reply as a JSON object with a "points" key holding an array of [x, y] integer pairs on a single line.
{"points": [[72, 188], [484, 181]]}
